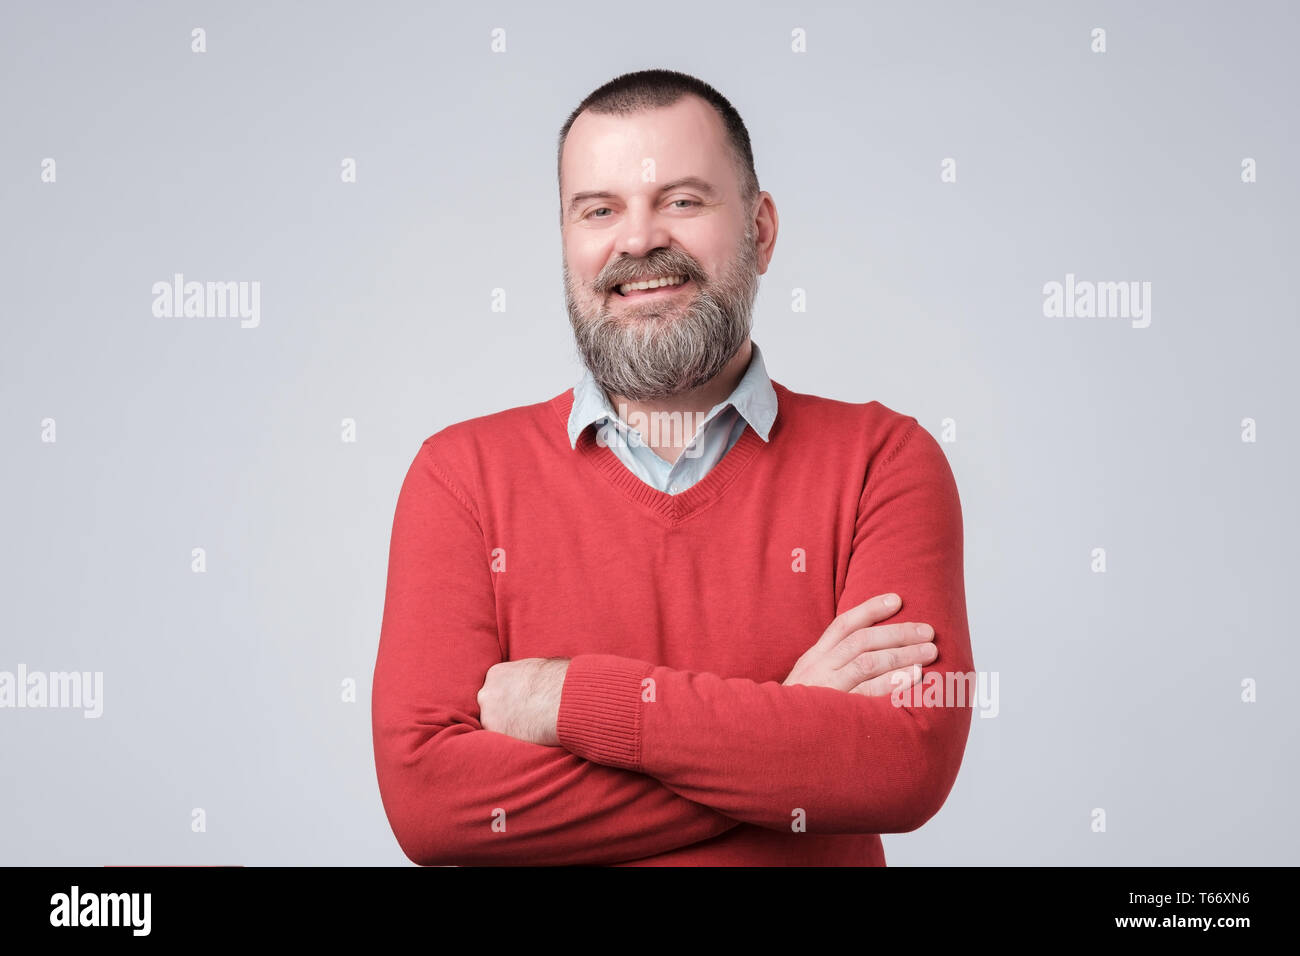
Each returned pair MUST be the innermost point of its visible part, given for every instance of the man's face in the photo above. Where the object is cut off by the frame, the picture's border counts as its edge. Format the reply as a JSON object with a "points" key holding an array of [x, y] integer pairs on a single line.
{"points": [[651, 344]]}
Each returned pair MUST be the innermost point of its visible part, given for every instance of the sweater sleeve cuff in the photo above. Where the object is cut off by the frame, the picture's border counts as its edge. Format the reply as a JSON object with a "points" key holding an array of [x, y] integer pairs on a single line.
{"points": [[600, 709]]}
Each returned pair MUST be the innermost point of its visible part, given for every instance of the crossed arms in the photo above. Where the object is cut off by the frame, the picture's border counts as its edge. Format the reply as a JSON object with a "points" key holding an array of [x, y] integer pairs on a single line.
{"points": [[629, 780]]}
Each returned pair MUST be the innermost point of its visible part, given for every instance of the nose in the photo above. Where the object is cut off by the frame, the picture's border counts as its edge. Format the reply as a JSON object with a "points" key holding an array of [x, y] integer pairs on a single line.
{"points": [[641, 230]]}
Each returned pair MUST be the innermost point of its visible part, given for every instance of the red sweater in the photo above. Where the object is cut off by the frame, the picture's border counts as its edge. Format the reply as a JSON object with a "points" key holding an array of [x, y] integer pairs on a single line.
{"points": [[507, 543]]}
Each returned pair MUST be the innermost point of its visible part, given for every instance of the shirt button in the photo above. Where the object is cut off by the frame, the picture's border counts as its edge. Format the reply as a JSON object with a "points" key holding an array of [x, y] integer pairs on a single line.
{"points": [[673, 489]]}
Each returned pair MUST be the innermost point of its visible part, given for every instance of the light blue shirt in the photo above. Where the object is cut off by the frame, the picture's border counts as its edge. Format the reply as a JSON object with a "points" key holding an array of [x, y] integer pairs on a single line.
{"points": [[752, 402]]}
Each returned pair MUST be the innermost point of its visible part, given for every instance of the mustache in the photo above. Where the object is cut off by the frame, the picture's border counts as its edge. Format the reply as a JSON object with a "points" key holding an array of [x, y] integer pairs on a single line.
{"points": [[631, 272]]}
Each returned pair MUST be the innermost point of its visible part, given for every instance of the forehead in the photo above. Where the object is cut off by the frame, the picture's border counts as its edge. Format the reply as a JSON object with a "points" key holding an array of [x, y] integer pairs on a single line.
{"points": [[605, 150]]}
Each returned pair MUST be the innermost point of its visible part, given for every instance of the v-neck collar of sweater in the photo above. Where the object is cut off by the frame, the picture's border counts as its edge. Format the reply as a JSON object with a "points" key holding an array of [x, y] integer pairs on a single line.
{"points": [[667, 507]]}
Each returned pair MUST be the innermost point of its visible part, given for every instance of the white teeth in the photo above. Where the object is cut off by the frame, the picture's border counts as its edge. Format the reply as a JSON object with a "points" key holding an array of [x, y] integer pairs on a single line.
{"points": [[651, 284]]}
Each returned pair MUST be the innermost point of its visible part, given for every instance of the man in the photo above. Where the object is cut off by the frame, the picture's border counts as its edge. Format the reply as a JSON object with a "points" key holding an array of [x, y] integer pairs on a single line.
{"points": [[643, 621]]}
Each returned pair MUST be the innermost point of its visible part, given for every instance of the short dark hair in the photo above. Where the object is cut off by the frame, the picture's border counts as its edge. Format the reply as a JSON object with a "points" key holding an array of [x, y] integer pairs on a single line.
{"points": [[647, 89]]}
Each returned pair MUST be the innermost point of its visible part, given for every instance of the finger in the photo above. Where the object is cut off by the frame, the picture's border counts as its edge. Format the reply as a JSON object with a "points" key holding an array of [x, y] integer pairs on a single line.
{"points": [[887, 684], [877, 638], [863, 615], [875, 663]]}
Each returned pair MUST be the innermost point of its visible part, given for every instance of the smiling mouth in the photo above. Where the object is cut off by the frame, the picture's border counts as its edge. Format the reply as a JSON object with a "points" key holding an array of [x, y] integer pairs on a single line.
{"points": [[656, 288]]}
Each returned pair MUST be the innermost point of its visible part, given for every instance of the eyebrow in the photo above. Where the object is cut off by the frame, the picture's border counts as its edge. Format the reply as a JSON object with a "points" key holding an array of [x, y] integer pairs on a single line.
{"points": [[684, 182]]}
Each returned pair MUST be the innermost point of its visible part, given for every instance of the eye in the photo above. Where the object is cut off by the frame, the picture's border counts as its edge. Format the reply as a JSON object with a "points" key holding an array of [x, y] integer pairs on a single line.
{"points": [[594, 211], [689, 202]]}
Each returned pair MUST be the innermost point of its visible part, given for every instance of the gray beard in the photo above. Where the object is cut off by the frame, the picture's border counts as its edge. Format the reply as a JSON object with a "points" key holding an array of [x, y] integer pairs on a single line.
{"points": [[652, 357]]}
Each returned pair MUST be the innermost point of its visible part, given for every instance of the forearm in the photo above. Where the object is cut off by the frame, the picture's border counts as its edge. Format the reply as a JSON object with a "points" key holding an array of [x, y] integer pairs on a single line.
{"points": [[767, 753], [456, 795]]}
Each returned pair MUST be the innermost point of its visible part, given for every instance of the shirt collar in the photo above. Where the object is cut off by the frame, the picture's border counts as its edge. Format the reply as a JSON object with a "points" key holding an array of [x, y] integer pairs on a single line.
{"points": [[753, 397]]}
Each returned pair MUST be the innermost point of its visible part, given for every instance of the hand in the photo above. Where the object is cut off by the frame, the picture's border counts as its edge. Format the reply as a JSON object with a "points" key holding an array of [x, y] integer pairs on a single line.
{"points": [[874, 661], [522, 698]]}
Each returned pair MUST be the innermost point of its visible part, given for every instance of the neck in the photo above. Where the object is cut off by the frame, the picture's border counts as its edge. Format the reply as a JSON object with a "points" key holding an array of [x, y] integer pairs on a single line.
{"points": [[679, 415]]}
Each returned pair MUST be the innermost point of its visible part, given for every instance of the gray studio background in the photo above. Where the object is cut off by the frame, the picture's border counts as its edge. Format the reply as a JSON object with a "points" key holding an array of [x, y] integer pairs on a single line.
{"points": [[1119, 690]]}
